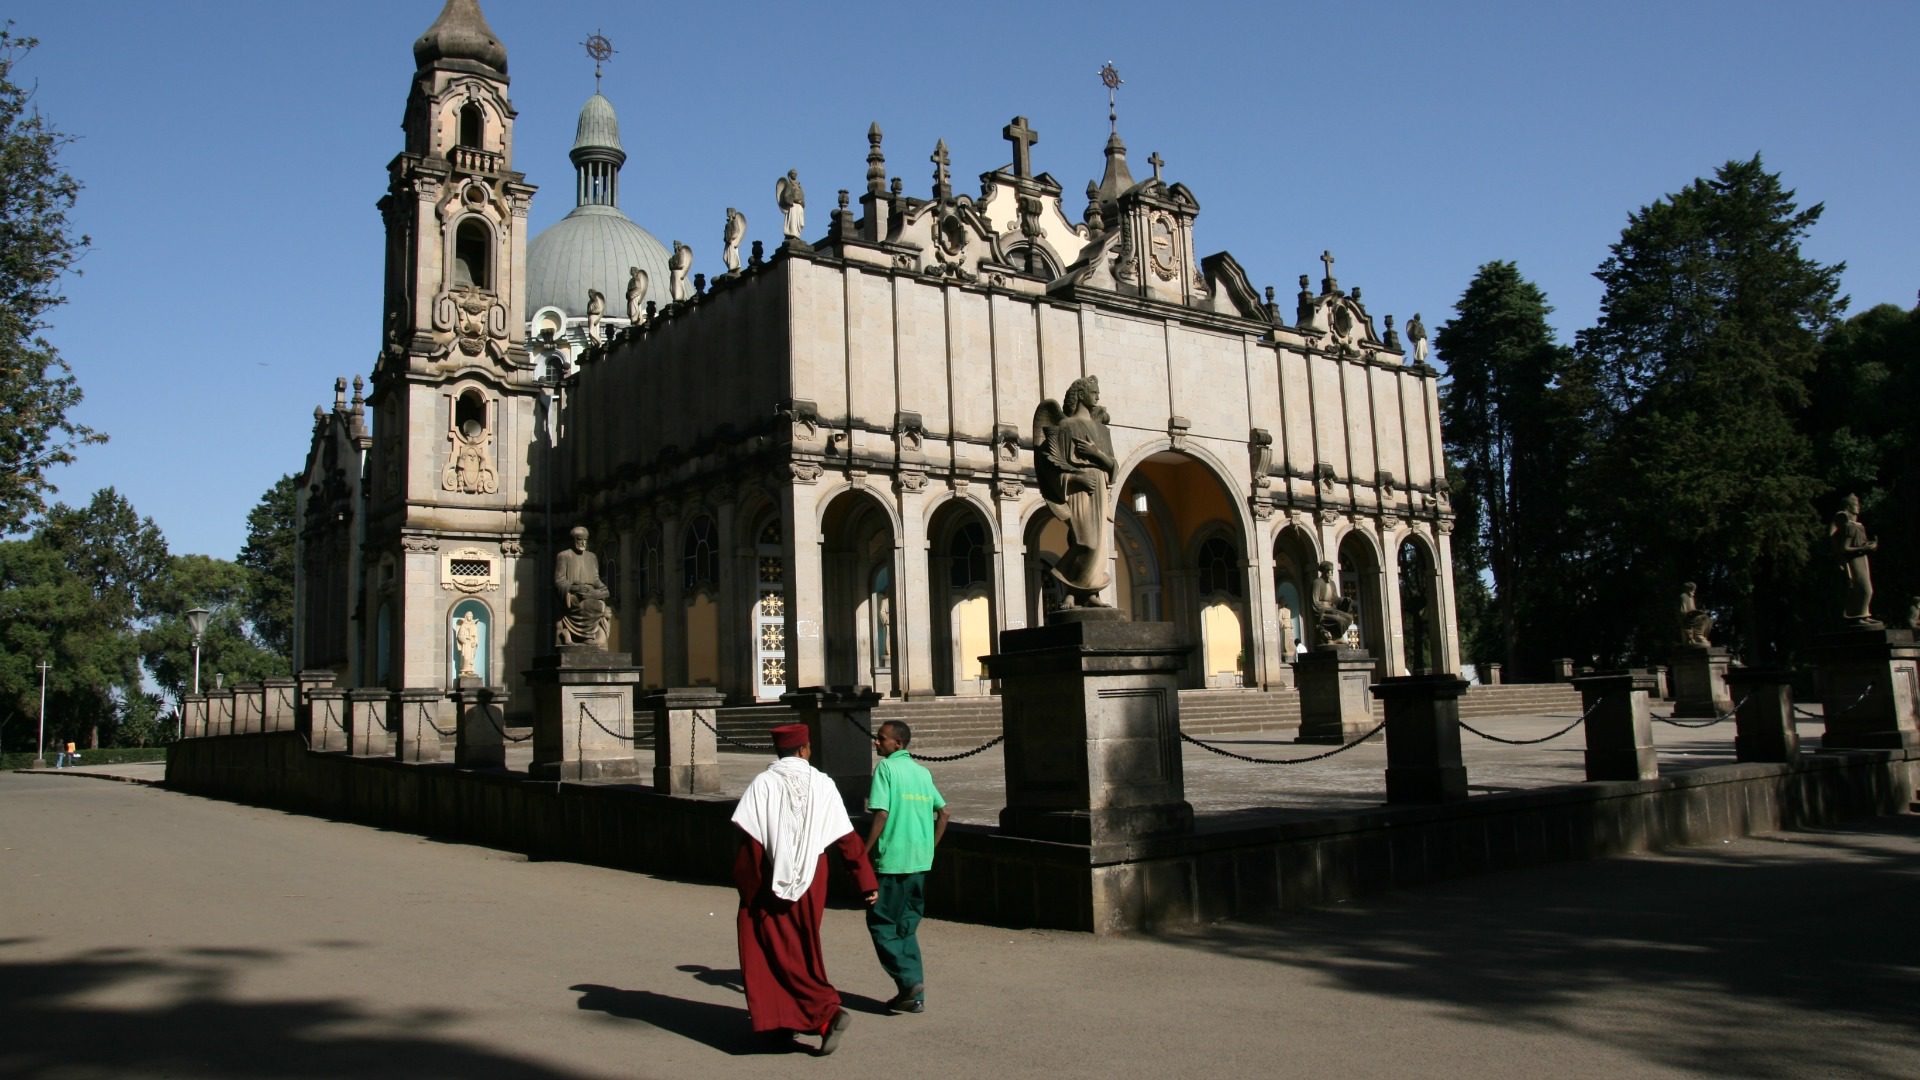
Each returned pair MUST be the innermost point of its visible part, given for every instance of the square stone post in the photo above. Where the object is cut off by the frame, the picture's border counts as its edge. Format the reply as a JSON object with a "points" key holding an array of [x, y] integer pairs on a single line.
{"points": [[583, 714], [1619, 725], [686, 754], [193, 713], [480, 725], [417, 723], [220, 712], [1868, 689], [1092, 719], [307, 682], [278, 703], [1560, 669], [1334, 706], [368, 734], [1763, 718], [327, 728], [1488, 673], [1699, 681], [1423, 738], [839, 723], [249, 708]]}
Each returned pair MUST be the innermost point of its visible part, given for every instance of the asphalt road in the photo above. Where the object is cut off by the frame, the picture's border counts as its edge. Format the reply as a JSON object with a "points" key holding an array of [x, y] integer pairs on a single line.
{"points": [[146, 934]]}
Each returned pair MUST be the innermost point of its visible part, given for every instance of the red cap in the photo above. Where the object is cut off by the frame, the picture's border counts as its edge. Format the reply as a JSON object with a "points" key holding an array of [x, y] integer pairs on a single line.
{"points": [[790, 737]]}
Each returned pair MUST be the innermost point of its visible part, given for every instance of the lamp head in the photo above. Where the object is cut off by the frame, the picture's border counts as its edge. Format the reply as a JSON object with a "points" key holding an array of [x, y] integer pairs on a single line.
{"points": [[197, 621]]}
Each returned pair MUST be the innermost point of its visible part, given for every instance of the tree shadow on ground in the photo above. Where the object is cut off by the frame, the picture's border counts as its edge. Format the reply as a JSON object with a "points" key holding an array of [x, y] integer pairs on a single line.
{"points": [[1690, 960], [190, 1023]]}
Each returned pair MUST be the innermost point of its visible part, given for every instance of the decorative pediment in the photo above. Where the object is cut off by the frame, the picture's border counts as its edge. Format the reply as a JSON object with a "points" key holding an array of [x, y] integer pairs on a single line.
{"points": [[1230, 291]]}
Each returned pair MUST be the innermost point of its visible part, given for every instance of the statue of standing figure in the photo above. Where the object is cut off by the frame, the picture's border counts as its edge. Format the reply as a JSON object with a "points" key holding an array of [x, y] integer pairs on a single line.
{"points": [[576, 573], [636, 295], [466, 641], [677, 267], [1695, 624], [736, 232], [1851, 545], [1333, 614], [793, 203], [596, 310], [1073, 454], [1417, 338]]}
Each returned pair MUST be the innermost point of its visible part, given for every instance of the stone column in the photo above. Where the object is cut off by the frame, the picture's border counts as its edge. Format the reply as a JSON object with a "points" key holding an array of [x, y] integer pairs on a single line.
{"points": [[1619, 725], [327, 726], [1092, 714], [193, 712], [583, 714], [839, 723], [1010, 557], [279, 701], [418, 724], [1333, 681], [686, 754], [479, 724], [220, 712], [1423, 738], [249, 705], [806, 648], [1700, 681], [1763, 701], [367, 732], [1870, 686], [306, 683]]}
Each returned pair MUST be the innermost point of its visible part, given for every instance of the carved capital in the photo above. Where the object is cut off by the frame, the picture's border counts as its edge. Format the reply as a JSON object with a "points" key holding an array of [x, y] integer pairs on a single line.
{"points": [[1008, 489], [806, 472]]}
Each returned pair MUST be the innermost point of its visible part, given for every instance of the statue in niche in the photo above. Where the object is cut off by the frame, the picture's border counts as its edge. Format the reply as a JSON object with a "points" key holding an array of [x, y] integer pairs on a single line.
{"points": [[596, 310], [1695, 623], [636, 295], [793, 203], [1333, 614], [677, 267], [1073, 453], [466, 641], [736, 232], [470, 468], [1417, 338], [1286, 630], [1851, 545], [576, 573]]}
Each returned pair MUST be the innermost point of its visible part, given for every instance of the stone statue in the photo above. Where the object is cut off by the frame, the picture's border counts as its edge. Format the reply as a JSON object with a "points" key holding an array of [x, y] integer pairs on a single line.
{"points": [[576, 573], [736, 232], [1417, 338], [1073, 453], [793, 203], [636, 295], [1695, 624], [1333, 614], [1286, 630], [678, 265], [1913, 613], [596, 310], [470, 468], [466, 641], [1851, 546]]}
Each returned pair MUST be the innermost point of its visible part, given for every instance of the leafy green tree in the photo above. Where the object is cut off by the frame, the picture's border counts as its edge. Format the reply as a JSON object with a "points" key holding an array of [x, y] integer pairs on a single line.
{"points": [[1710, 326], [37, 248], [226, 648], [41, 604], [268, 557]]}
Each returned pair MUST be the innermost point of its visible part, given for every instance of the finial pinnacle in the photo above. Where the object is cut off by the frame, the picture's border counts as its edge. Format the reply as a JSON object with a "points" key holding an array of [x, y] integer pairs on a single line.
{"points": [[1110, 78], [600, 49]]}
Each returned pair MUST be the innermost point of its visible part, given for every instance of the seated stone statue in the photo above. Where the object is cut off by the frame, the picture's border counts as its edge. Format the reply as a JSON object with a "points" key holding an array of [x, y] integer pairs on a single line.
{"points": [[1333, 614], [576, 574], [1695, 624]]}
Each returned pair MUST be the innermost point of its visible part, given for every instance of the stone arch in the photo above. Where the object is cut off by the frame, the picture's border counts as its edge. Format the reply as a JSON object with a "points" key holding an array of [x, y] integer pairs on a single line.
{"points": [[1421, 627], [699, 552], [1296, 559], [763, 552], [963, 604], [859, 541], [472, 251], [1362, 576]]}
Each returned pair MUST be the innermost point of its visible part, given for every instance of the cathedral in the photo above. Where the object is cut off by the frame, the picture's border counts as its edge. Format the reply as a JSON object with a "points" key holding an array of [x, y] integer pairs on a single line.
{"points": [[815, 466]]}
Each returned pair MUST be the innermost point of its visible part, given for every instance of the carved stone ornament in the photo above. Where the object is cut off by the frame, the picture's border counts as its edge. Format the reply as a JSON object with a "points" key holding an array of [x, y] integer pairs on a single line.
{"points": [[470, 468], [909, 431], [512, 549], [806, 472], [1162, 243], [1329, 516], [1008, 489], [416, 543], [1262, 507], [1260, 456], [470, 320], [910, 482], [1006, 441], [469, 570]]}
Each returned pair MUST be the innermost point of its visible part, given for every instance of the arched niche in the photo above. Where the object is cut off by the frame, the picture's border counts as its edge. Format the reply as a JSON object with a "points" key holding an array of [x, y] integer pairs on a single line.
{"points": [[1361, 578], [481, 629], [960, 560], [1173, 507], [1420, 621], [858, 586], [1295, 565]]}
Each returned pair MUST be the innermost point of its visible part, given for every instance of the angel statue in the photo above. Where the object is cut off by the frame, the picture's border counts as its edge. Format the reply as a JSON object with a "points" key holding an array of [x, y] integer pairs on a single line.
{"points": [[736, 232], [596, 310], [793, 203], [636, 295], [681, 262], [1073, 453]]}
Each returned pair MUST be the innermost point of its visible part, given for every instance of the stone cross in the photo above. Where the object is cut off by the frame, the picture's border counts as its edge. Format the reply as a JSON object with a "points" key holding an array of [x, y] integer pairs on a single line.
{"points": [[942, 186], [1022, 137], [1155, 160], [1326, 259]]}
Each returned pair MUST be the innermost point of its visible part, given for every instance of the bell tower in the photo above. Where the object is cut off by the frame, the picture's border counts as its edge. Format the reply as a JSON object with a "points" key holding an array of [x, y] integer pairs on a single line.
{"points": [[456, 402]]}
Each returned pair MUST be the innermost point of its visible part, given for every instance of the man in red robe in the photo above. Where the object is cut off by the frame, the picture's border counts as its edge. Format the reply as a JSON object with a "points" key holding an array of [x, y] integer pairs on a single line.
{"points": [[788, 818]]}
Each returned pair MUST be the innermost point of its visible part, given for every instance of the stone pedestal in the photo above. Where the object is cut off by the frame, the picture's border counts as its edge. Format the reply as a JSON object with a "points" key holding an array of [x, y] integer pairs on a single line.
{"points": [[1763, 720], [583, 715], [306, 682], [1092, 718], [193, 716], [839, 723], [1423, 738], [1619, 725], [1560, 669], [327, 719], [278, 701], [220, 712], [249, 708], [1488, 673], [1334, 706], [1662, 682], [368, 733], [418, 725], [1870, 689], [480, 725], [686, 755], [1700, 681]]}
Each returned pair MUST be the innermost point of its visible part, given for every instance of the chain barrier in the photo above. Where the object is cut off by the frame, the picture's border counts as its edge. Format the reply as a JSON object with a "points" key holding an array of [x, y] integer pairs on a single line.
{"points": [[1184, 737], [596, 723], [1719, 719], [735, 743], [983, 748], [488, 713], [1577, 721], [427, 719]]}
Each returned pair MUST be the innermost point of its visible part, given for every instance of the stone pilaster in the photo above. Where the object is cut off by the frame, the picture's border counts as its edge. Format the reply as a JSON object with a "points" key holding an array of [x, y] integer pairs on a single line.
{"points": [[327, 728], [249, 705], [686, 753], [1870, 686], [367, 732], [1423, 738], [279, 704], [583, 715], [419, 724], [1619, 725], [193, 713], [306, 683], [220, 712]]}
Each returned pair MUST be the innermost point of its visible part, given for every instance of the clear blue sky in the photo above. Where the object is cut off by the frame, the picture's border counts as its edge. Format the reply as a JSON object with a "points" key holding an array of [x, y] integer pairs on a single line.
{"points": [[232, 153]]}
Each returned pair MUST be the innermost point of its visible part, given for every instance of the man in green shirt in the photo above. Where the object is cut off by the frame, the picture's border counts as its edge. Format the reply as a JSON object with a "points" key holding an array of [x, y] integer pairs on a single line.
{"points": [[909, 818]]}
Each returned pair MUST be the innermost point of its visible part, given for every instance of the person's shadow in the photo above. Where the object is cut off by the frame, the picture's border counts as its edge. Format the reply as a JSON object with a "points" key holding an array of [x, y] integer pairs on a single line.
{"points": [[722, 1027], [731, 979]]}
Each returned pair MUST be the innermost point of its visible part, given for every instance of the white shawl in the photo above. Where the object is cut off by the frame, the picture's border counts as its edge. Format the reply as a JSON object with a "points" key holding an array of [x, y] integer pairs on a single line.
{"points": [[794, 811]]}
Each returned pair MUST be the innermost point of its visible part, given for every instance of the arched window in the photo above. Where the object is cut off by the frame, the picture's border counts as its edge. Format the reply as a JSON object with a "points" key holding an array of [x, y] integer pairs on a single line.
{"points": [[770, 611], [971, 557], [473, 254], [701, 556], [1219, 568], [473, 126]]}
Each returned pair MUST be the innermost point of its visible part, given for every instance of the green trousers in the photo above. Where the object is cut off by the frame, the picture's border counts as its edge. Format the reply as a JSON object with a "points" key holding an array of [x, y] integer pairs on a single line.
{"points": [[893, 920]]}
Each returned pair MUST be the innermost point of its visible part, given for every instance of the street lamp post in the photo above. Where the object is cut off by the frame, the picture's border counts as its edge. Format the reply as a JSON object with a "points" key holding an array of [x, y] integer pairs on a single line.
{"points": [[197, 622], [40, 748]]}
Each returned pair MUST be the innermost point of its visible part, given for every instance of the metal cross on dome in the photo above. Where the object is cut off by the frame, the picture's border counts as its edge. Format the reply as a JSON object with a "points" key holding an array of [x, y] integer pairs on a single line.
{"points": [[600, 49], [1110, 77]]}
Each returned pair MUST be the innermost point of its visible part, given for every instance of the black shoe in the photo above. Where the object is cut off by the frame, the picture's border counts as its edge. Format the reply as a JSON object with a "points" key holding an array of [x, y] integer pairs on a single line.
{"points": [[911, 1000], [830, 1040]]}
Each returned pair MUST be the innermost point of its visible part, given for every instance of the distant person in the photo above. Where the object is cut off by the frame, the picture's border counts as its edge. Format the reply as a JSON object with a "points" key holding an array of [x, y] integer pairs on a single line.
{"points": [[788, 818], [66, 755], [909, 818]]}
